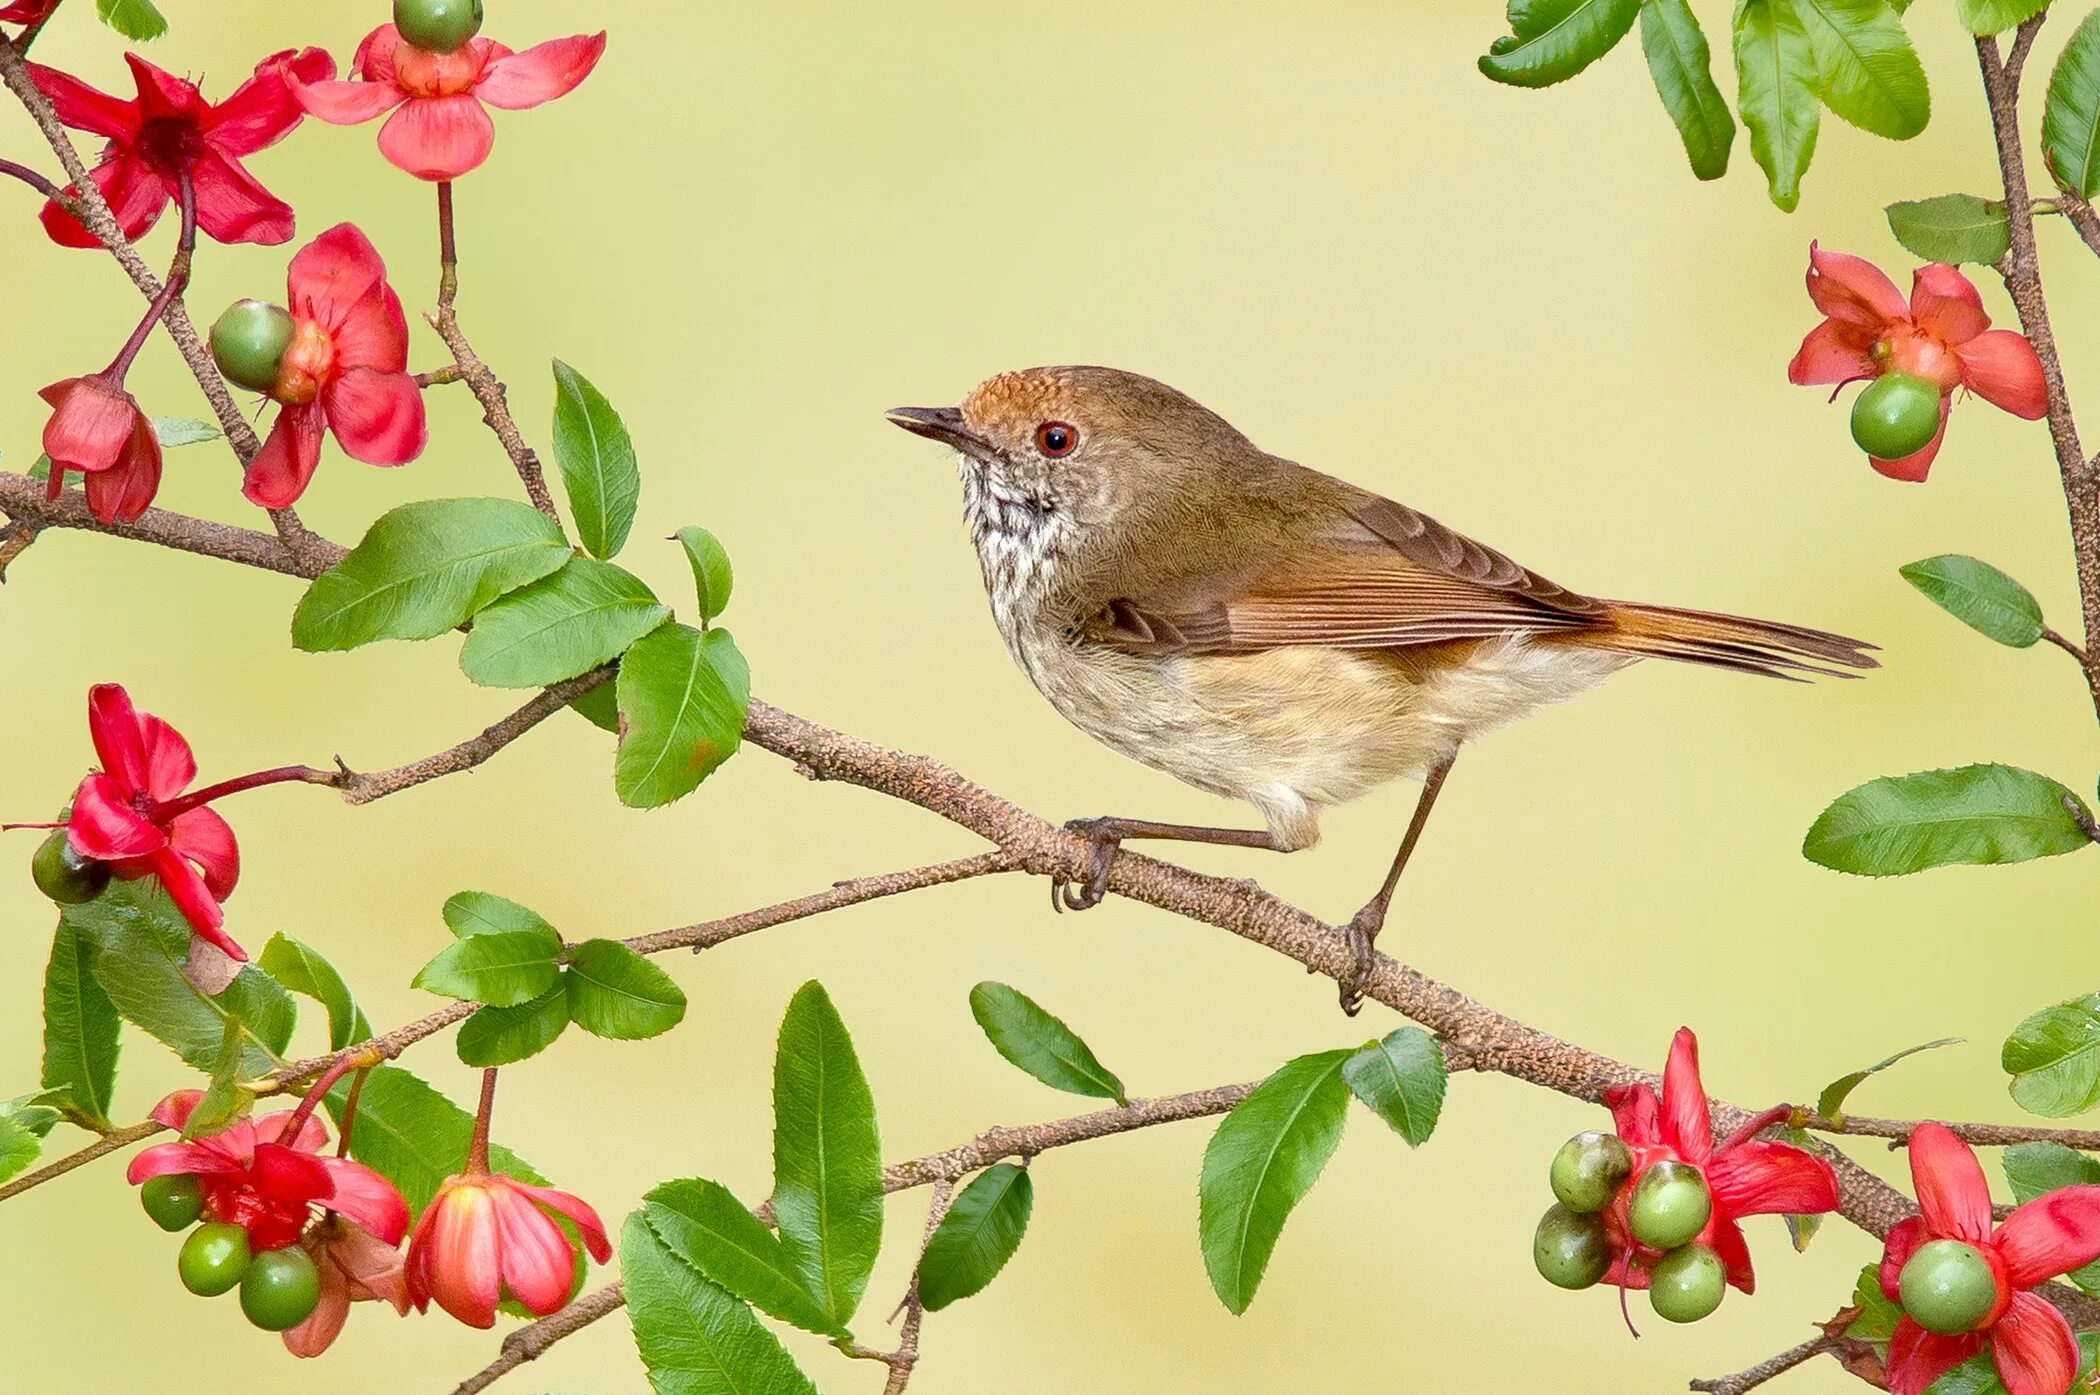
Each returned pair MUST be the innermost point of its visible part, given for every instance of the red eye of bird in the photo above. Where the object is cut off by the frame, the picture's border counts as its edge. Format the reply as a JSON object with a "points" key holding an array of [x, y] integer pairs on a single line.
{"points": [[1055, 438]]}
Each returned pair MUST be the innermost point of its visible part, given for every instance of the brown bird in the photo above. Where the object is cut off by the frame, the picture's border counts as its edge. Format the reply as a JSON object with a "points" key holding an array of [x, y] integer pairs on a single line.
{"points": [[1266, 632]]}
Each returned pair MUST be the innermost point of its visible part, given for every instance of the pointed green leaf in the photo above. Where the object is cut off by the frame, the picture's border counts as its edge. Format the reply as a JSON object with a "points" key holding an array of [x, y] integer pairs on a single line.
{"points": [[2054, 1059], [614, 992], [303, 971], [223, 1100], [183, 431], [1402, 1080], [597, 462], [827, 1158], [480, 913], [694, 1338], [2071, 117], [2036, 1169], [682, 698], [1866, 70], [1801, 1229], [977, 1237], [1552, 40], [502, 969], [1041, 1044], [1952, 228], [498, 1036], [1260, 1164], [1996, 16], [80, 1029], [1831, 1103], [413, 1136], [712, 577], [1980, 596], [1682, 68], [134, 19], [1775, 69], [19, 1147], [1978, 814], [704, 1225], [424, 568], [560, 626], [1877, 1315], [600, 707]]}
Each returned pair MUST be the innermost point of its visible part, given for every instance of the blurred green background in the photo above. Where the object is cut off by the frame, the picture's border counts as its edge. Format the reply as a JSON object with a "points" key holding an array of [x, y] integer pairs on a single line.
{"points": [[756, 227]]}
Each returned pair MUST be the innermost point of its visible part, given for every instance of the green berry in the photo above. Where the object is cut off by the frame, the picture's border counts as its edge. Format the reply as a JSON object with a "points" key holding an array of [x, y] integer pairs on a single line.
{"points": [[1687, 1284], [63, 874], [280, 1289], [1897, 415], [213, 1258], [1588, 1169], [248, 342], [174, 1202], [1670, 1205], [1948, 1287], [438, 26], [1569, 1249]]}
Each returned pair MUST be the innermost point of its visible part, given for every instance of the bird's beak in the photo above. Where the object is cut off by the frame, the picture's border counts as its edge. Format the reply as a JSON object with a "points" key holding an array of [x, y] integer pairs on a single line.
{"points": [[943, 424]]}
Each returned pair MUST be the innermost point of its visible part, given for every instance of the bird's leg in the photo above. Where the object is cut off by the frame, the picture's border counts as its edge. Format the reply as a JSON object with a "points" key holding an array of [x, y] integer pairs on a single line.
{"points": [[1108, 834], [1363, 927]]}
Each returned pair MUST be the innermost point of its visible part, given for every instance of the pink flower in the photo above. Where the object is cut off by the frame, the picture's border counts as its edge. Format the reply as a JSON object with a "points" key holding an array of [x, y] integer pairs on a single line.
{"points": [[356, 1266], [1942, 335], [442, 129], [486, 1234], [345, 370], [96, 427]]}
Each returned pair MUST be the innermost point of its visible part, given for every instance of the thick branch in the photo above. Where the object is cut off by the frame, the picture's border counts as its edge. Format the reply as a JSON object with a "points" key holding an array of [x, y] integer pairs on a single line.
{"points": [[100, 1148], [22, 499], [364, 788]]}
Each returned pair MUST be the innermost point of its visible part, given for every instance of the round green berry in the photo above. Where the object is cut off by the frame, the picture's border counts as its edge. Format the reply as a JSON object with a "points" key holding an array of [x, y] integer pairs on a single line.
{"points": [[1687, 1284], [174, 1202], [1670, 1205], [280, 1288], [213, 1258], [1588, 1169], [248, 342], [63, 874], [439, 26], [1570, 1250], [1948, 1287], [1897, 415]]}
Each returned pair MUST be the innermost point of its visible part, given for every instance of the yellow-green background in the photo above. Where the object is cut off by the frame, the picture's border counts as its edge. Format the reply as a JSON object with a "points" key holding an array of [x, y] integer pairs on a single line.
{"points": [[756, 227]]}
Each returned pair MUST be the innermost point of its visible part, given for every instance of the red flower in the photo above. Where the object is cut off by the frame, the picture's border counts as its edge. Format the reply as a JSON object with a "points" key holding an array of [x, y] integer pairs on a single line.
{"points": [[1746, 1176], [255, 1178], [442, 129], [356, 1267], [2030, 1342], [169, 130], [345, 370], [1942, 336], [28, 11], [485, 1234], [96, 427]]}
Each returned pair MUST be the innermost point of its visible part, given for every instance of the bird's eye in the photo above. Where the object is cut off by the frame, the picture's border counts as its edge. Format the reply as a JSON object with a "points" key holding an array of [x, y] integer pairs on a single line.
{"points": [[1055, 438]]}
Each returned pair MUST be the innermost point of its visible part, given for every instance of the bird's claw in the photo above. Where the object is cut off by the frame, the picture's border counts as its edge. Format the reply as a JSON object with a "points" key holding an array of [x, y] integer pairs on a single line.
{"points": [[1362, 934], [1073, 894]]}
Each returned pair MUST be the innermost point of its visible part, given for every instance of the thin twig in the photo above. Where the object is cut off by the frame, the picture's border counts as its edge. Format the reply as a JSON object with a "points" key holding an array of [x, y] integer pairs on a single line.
{"points": [[2068, 646], [364, 788], [100, 1148], [15, 539], [39, 183], [1742, 1382], [905, 1359]]}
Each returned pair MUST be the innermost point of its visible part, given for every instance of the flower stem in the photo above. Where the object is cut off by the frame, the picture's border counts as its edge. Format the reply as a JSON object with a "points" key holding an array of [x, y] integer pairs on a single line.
{"points": [[478, 1147], [283, 774], [33, 180], [318, 1090], [357, 1087], [178, 277], [1757, 1124], [448, 250]]}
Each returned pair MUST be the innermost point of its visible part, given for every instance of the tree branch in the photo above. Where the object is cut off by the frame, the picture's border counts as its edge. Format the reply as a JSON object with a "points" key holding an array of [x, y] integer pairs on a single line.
{"points": [[100, 1148], [364, 788], [1742, 1382]]}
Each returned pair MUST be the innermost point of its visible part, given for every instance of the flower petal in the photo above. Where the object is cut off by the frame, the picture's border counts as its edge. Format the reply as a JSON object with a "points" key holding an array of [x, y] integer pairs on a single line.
{"points": [[91, 421], [1903, 1241], [1853, 289], [284, 1174], [174, 1109], [105, 827], [541, 73], [168, 763], [331, 274], [373, 333], [373, 1267], [126, 489], [2001, 367], [311, 1138], [1945, 305], [576, 1210], [113, 725], [204, 838], [1912, 469], [368, 1200], [454, 1258], [164, 96], [1952, 1195], [346, 103], [85, 108], [232, 207], [134, 193], [186, 888], [279, 473], [538, 1263], [1917, 1358], [1727, 1241], [377, 417], [1685, 1123], [1833, 352], [438, 137], [325, 1323], [2050, 1235], [1760, 1178], [2033, 1348], [262, 110], [176, 1160], [374, 61]]}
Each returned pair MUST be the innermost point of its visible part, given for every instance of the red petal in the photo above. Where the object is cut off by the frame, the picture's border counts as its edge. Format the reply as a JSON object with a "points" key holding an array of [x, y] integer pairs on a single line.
{"points": [[347, 103], [576, 1210], [105, 827], [331, 274], [174, 1110], [1634, 1113], [1903, 1241], [2050, 1235], [2033, 1348], [454, 1258], [325, 1323], [377, 417], [368, 1199], [204, 838], [232, 207], [85, 108], [1945, 305], [1952, 1195], [176, 1160], [1833, 352], [133, 191], [126, 489], [285, 1175], [538, 1265], [1912, 469], [541, 73], [90, 426], [262, 110], [164, 96], [1685, 1124], [113, 725], [186, 888], [375, 55], [1727, 1241], [1917, 1358], [373, 333], [2000, 366], [279, 473], [1852, 289], [1771, 1179], [438, 137], [169, 766], [311, 1138]]}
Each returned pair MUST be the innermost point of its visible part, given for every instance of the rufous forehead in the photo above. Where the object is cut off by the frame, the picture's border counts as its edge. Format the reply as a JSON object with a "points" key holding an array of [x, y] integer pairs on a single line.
{"points": [[1025, 397]]}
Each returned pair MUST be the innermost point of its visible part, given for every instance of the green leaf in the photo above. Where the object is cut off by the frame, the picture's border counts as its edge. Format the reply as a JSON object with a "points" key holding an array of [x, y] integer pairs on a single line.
{"points": [[614, 992], [2054, 1059], [1979, 814], [19, 1147], [480, 913], [183, 431], [80, 1029], [1996, 16], [41, 471], [2071, 116], [1041, 1044], [1261, 1162], [560, 626], [1401, 1079], [1952, 228], [502, 968], [1866, 70], [977, 1237], [1801, 1229], [682, 698], [716, 1235], [1552, 40], [139, 943], [303, 971], [600, 707], [1775, 68], [597, 462], [712, 577], [2036, 1169], [1831, 1103], [413, 1136], [497, 1036], [1979, 1374], [1877, 1316], [694, 1338], [134, 19], [1682, 67], [223, 1100], [827, 1158], [424, 568], [1979, 595]]}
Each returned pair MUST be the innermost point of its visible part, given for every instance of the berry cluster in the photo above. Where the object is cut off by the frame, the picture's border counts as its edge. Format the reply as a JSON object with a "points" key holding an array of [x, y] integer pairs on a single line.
{"points": [[279, 1288], [1663, 1209]]}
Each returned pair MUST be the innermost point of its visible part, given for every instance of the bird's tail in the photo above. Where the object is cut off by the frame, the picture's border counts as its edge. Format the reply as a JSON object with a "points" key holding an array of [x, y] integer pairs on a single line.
{"points": [[1724, 641]]}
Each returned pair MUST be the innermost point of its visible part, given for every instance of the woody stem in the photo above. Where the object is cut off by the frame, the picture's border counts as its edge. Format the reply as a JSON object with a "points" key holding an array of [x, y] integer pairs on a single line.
{"points": [[357, 1087], [32, 179], [1777, 1114], [448, 249], [171, 289], [478, 1148], [283, 774], [318, 1090]]}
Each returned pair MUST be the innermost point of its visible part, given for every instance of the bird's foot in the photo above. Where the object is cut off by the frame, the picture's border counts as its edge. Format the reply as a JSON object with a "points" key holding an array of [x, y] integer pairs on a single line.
{"points": [[1362, 934], [1075, 894]]}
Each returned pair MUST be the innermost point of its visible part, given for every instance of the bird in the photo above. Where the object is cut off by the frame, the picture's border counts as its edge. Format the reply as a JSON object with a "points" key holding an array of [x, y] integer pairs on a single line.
{"points": [[1269, 633]]}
